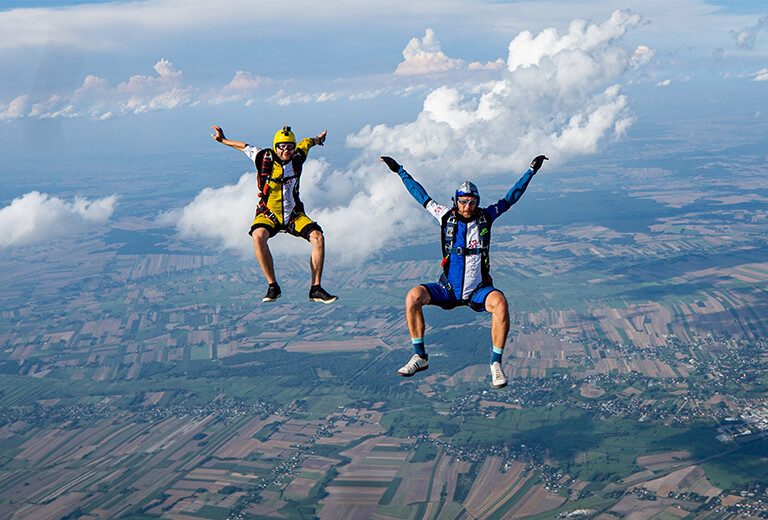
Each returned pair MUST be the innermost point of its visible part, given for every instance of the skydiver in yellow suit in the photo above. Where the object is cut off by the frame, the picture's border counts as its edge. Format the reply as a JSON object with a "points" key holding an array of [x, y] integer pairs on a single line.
{"points": [[280, 209]]}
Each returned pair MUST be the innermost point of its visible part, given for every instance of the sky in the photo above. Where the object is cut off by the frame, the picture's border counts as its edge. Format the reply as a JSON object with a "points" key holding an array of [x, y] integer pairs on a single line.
{"points": [[92, 92]]}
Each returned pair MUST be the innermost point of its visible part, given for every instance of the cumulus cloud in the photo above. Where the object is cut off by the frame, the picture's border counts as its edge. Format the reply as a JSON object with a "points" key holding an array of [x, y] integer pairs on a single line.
{"points": [[281, 98], [219, 215], [761, 75], [243, 85], [642, 56], [222, 216], [746, 38], [424, 56], [664, 83], [36, 216], [491, 65], [95, 97], [559, 94]]}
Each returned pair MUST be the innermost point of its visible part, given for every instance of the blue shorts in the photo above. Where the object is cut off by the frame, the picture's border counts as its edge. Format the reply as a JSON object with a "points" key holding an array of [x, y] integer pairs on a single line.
{"points": [[445, 299]]}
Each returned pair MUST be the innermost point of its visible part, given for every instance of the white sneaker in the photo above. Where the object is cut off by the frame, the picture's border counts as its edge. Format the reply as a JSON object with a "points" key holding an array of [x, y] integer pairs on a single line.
{"points": [[416, 364], [498, 379]]}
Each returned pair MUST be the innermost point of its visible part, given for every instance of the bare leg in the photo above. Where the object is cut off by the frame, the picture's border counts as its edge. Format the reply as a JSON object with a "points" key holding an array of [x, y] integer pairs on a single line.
{"points": [[263, 255], [317, 256], [496, 304], [417, 298], [414, 301]]}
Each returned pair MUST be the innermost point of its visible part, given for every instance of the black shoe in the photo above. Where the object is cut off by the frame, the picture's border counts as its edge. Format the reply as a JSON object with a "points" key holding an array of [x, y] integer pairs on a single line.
{"points": [[273, 293], [318, 294]]}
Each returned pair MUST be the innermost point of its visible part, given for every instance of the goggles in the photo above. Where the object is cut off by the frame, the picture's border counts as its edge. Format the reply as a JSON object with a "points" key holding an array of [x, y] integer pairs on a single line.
{"points": [[467, 202], [285, 146]]}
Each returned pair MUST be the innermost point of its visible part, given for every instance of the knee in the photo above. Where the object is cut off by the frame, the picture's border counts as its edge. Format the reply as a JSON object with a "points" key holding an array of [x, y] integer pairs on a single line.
{"points": [[416, 298], [260, 236], [317, 239], [498, 305]]}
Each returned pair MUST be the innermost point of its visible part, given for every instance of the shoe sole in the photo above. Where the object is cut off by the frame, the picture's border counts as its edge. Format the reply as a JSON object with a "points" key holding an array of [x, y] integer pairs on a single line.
{"points": [[266, 299], [422, 369], [320, 300], [496, 387]]}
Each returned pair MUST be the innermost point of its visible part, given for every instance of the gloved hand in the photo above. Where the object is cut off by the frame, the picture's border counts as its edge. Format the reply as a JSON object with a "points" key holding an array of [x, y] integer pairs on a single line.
{"points": [[389, 161], [537, 162]]}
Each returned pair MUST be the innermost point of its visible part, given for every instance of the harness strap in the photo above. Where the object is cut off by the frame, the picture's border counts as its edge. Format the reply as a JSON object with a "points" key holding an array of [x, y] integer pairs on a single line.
{"points": [[264, 210], [466, 251], [281, 180], [446, 284]]}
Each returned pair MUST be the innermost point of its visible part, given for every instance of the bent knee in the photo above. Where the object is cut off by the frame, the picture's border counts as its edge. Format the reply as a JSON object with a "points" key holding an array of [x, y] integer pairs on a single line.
{"points": [[417, 297], [317, 238], [497, 303], [260, 235]]}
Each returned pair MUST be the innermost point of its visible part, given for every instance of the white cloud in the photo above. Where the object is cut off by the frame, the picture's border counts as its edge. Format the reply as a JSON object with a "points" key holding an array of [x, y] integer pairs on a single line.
{"points": [[243, 85], [664, 83], [642, 56], [16, 109], [761, 75], [558, 95], [424, 57], [220, 215], [282, 99], [746, 38], [491, 65], [36, 216], [98, 100]]}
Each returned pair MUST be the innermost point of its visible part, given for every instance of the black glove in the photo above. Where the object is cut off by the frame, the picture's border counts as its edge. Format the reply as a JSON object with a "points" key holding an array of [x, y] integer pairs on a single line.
{"points": [[389, 161], [537, 162]]}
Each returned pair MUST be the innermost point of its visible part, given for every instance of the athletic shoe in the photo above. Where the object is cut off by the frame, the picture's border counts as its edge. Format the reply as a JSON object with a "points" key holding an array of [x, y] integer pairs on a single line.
{"points": [[498, 379], [321, 296], [273, 293], [416, 364]]}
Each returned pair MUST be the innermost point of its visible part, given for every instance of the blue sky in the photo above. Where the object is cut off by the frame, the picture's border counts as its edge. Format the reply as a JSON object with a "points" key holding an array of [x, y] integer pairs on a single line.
{"points": [[89, 90]]}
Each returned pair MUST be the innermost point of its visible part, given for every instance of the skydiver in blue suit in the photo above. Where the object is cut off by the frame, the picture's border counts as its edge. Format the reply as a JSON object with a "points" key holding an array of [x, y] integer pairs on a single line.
{"points": [[465, 230]]}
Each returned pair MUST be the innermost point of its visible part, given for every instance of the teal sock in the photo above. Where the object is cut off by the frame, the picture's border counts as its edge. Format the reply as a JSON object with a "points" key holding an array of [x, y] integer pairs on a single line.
{"points": [[418, 347], [496, 354]]}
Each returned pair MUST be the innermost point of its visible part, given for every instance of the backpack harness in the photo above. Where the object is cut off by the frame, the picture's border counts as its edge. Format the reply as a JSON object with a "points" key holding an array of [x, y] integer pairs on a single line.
{"points": [[265, 175], [448, 232]]}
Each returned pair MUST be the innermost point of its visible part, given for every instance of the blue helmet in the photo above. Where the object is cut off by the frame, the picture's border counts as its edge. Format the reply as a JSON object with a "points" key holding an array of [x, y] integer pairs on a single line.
{"points": [[467, 188]]}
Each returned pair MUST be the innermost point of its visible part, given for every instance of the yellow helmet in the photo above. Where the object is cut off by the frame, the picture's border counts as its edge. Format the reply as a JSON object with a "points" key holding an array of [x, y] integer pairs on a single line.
{"points": [[284, 135]]}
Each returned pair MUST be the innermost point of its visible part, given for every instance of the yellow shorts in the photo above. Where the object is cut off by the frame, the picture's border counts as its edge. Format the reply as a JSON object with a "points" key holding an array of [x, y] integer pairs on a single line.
{"points": [[301, 226]]}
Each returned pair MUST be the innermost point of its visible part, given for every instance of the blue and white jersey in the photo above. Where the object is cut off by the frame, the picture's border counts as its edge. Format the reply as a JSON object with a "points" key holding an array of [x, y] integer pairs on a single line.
{"points": [[465, 272]]}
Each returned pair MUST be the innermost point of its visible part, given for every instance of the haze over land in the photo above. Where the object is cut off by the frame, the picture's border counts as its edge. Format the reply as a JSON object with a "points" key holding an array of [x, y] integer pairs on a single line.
{"points": [[140, 377]]}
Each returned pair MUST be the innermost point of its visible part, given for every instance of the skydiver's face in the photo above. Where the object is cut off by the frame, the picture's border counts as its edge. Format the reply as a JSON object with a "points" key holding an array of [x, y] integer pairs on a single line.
{"points": [[466, 206], [285, 151]]}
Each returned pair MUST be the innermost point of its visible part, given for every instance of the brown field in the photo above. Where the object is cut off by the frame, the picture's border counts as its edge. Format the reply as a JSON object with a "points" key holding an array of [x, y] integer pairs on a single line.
{"points": [[536, 501], [687, 479], [51, 510], [243, 444], [491, 486], [341, 510], [300, 487], [664, 461], [589, 391], [415, 483], [320, 464], [630, 508], [730, 500]]}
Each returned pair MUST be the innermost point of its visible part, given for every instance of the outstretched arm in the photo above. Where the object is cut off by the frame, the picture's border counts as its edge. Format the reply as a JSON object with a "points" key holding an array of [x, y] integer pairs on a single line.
{"points": [[320, 139], [416, 190], [308, 142], [218, 134], [514, 194]]}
